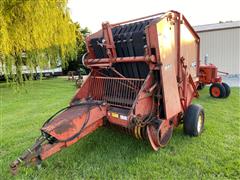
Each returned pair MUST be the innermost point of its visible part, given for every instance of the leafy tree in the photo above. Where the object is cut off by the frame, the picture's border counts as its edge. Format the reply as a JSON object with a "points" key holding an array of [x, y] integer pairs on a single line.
{"points": [[76, 63], [35, 33]]}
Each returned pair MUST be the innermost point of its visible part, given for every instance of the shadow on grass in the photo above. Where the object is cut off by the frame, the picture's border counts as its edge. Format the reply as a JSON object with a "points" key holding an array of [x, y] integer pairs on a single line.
{"points": [[107, 149]]}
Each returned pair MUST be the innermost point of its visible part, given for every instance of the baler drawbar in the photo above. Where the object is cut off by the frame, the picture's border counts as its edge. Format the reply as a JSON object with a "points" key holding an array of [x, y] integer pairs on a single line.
{"points": [[144, 75]]}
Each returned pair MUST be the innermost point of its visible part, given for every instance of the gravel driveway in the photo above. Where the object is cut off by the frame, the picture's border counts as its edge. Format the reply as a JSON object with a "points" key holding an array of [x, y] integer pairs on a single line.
{"points": [[232, 80]]}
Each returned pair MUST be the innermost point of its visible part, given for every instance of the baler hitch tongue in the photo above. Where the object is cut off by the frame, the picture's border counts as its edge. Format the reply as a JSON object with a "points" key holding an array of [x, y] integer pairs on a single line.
{"points": [[29, 156], [63, 129]]}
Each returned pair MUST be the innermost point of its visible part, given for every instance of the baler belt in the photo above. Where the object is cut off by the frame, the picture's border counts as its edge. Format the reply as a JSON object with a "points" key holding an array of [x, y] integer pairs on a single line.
{"points": [[129, 40]]}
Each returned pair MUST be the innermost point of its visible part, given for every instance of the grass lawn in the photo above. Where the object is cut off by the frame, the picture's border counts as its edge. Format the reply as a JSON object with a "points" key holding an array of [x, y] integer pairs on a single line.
{"points": [[108, 154]]}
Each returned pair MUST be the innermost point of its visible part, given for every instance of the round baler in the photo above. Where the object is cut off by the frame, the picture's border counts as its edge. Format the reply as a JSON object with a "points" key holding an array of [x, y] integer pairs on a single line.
{"points": [[144, 75]]}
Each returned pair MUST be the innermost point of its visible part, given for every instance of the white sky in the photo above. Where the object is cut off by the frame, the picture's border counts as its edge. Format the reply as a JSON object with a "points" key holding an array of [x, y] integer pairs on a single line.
{"points": [[92, 13]]}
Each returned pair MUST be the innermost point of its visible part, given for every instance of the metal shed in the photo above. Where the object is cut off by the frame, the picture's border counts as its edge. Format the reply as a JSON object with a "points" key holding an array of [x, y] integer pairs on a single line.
{"points": [[221, 43]]}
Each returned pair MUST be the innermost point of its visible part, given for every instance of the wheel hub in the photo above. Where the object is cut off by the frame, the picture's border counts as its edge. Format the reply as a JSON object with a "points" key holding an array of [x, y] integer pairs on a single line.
{"points": [[216, 91], [199, 125]]}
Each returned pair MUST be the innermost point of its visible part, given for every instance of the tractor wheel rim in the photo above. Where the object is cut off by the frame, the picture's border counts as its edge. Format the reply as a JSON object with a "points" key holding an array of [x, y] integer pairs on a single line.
{"points": [[199, 125], [216, 91]]}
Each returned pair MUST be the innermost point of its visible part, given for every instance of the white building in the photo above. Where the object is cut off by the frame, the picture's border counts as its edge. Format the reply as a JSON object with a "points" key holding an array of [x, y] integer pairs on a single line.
{"points": [[221, 43]]}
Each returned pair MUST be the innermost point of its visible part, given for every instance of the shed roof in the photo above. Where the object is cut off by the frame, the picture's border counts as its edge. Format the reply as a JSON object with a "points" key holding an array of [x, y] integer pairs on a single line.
{"points": [[217, 26]]}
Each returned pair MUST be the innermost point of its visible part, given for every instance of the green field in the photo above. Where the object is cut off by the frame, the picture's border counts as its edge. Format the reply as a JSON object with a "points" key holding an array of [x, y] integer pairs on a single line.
{"points": [[109, 154]]}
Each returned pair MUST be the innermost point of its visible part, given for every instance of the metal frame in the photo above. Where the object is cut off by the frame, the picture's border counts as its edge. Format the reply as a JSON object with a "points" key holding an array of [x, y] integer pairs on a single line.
{"points": [[155, 104]]}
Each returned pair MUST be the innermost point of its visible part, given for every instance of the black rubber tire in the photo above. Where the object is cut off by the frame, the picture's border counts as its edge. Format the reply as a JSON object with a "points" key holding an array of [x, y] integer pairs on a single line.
{"points": [[221, 89], [200, 86], [191, 118], [227, 89]]}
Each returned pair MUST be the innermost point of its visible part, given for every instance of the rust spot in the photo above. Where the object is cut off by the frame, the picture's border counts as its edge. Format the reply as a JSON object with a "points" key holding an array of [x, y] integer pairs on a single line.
{"points": [[66, 121], [64, 127]]}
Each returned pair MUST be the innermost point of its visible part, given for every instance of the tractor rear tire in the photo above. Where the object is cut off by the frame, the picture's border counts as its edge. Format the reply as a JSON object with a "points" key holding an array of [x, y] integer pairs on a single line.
{"points": [[227, 89], [217, 90], [193, 120]]}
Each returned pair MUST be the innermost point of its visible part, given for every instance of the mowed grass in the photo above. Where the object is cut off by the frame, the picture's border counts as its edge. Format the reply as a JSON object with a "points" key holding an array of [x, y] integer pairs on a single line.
{"points": [[109, 154]]}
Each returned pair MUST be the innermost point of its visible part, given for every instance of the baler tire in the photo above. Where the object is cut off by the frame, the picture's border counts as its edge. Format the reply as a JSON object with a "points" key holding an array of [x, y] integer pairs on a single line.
{"points": [[193, 120], [217, 90], [227, 89]]}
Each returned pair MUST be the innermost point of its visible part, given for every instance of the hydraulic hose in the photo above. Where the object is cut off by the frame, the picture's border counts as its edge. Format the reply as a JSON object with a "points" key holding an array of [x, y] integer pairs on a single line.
{"points": [[14, 165], [89, 104], [92, 103]]}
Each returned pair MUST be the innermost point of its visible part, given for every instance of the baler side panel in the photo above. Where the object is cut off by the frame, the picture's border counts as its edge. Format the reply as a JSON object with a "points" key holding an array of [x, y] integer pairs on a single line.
{"points": [[152, 42], [168, 53], [189, 50]]}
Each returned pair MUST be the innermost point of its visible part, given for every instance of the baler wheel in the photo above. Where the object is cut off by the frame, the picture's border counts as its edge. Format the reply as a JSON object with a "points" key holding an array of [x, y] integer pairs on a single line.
{"points": [[152, 133], [193, 120], [165, 134], [227, 89], [159, 136], [217, 90]]}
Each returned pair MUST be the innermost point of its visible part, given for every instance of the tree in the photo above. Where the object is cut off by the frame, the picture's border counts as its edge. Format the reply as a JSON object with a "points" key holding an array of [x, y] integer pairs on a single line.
{"points": [[76, 64], [35, 33]]}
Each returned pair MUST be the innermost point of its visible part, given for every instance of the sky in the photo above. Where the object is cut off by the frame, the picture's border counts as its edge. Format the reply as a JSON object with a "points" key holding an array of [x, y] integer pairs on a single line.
{"points": [[91, 13]]}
